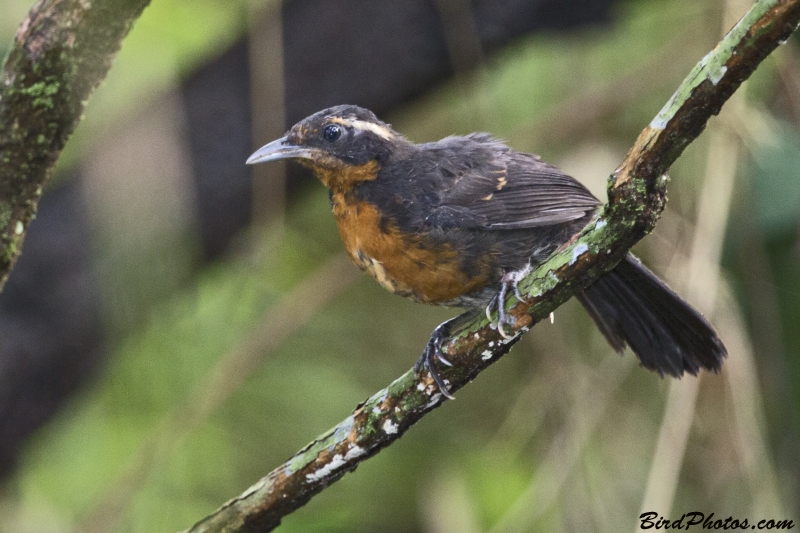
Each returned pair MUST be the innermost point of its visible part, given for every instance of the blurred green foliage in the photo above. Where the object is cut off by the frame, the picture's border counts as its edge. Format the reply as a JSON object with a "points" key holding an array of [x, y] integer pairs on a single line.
{"points": [[561, 423], [774, 176]]}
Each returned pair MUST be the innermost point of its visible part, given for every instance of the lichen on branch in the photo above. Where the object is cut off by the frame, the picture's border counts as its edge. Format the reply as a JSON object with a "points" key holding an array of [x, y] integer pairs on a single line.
{"points": [[60, 54]]}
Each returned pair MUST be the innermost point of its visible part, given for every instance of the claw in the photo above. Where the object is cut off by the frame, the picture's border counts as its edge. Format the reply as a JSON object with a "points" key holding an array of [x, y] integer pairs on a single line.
{"points": [[440, 357], [489, 307], [515, 285], [434, 351], [502, 318], [510, 279]]}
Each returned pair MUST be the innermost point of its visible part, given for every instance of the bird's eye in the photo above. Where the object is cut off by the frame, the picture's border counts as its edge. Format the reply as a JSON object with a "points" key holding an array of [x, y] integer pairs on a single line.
{"points": [[332, 132]]}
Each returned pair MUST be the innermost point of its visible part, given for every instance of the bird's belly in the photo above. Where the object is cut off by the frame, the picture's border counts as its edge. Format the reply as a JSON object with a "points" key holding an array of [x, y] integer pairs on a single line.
{"points": [[400, 264]]}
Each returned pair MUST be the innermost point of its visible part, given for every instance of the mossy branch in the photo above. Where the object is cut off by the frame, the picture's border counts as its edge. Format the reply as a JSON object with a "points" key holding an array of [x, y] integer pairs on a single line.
{"points": [[60, 54], [637, 195]]}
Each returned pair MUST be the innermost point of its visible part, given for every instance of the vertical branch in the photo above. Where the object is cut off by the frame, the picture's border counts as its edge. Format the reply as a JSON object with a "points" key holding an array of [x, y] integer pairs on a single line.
{"points": [[267, 103], [60, 54]]}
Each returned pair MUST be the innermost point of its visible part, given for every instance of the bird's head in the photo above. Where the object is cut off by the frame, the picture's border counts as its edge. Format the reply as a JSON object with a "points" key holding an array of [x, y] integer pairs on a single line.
{"points": [[343, 145]]}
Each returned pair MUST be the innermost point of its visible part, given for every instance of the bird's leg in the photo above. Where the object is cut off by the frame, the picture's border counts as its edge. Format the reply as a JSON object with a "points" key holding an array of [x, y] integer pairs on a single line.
{"points": [[434, 351], [509, 280]]}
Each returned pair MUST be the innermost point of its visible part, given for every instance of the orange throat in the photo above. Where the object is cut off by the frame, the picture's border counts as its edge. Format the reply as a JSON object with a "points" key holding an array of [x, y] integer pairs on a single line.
{"points": [[338, 176]]}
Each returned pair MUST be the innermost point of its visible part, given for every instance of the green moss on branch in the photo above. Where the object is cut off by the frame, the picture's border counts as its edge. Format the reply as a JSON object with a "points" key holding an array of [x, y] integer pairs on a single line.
{"points": [[61, 53]]}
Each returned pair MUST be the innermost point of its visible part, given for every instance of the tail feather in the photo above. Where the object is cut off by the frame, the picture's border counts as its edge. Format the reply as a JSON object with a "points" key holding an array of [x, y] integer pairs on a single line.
{"points": [[632, 307]]}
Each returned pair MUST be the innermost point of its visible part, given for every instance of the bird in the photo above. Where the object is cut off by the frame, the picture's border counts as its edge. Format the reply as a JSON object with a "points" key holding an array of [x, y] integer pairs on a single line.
{"points": [[459, 222]]}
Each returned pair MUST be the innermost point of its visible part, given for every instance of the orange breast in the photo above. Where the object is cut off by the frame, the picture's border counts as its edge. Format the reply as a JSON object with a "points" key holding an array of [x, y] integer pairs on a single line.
{"points": [[396, 261]]}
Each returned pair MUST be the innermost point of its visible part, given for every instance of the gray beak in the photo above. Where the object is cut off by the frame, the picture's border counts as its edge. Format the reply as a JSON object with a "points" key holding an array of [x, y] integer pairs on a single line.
{"points": [[278, 149]]}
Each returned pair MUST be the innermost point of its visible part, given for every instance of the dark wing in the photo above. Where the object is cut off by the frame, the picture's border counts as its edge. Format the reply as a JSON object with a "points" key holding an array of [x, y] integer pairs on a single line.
{"points": [[496, 188]]}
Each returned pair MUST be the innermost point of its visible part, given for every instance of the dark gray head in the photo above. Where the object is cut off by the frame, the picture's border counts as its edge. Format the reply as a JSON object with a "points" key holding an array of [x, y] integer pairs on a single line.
{"points": [[334, 139]]}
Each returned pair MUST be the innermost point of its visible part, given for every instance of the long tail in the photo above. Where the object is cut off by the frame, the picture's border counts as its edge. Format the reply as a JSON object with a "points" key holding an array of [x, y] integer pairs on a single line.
{"points": [[631, 306]]}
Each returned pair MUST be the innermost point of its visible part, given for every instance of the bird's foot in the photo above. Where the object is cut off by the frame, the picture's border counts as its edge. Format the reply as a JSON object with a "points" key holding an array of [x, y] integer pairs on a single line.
{"points": [[509, 281], [433, 351]]}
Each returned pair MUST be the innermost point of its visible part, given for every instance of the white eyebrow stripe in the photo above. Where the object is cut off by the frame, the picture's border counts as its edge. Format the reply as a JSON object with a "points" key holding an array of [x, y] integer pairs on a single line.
{"points": [[363, 125]]}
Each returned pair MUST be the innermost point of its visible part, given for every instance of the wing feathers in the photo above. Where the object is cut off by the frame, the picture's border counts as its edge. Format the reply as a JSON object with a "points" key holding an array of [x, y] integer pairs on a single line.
{"points": [[496, 188]]}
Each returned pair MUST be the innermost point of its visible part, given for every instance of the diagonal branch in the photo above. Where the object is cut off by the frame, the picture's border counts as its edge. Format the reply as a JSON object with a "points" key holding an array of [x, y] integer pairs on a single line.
{"points": [[637, 195], [61, 53]]}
